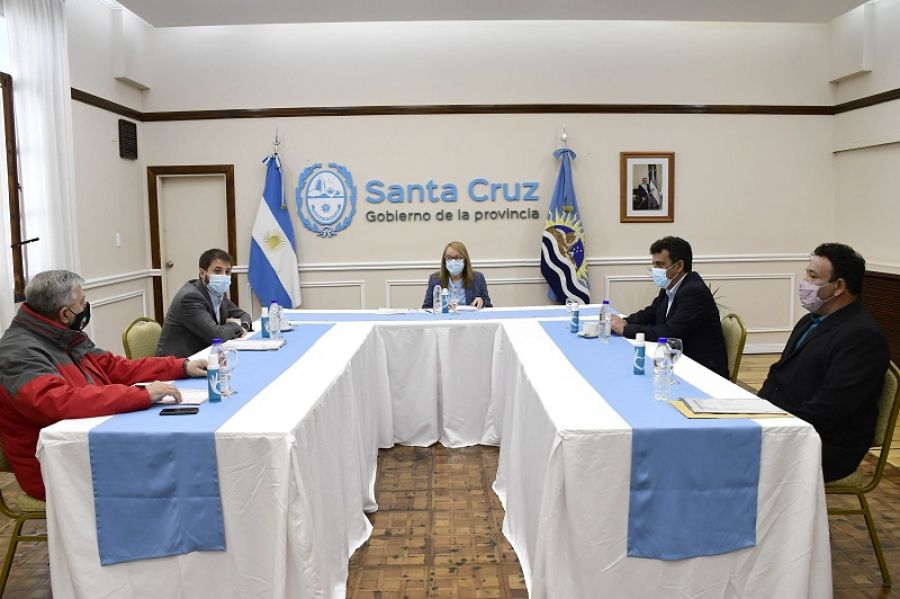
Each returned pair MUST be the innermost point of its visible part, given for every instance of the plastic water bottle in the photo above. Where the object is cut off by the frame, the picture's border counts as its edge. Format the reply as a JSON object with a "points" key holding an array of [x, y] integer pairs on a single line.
{"points": [[662, 370], [274, 320], [639, 353], [605, 322], [264, 322], [212, 371], [445, 301], [436, 299], [574, 324]]}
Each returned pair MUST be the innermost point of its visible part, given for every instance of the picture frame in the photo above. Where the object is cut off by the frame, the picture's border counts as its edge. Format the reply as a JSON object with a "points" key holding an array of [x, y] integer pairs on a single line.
{"points": [[647, 182]]}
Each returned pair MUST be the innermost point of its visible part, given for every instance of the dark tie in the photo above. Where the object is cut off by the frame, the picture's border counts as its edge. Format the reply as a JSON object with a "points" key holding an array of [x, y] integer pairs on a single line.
{"points": [[815, 322]]}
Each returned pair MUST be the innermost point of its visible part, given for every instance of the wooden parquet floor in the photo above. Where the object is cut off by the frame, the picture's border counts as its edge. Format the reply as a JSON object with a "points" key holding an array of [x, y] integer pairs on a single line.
{"points": [[437, 532]]}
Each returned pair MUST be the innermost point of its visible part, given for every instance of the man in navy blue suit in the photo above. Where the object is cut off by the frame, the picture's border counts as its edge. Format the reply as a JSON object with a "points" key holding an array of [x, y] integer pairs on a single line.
{"points": [[684, 309]]}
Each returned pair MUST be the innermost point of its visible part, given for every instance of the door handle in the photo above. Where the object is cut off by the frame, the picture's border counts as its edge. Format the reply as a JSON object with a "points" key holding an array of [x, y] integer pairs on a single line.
{"points": [[169, 264]]}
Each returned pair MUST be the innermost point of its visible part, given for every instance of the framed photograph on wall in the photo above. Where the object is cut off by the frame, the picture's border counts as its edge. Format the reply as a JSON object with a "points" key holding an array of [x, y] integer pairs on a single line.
{"points": [[648, 187]]}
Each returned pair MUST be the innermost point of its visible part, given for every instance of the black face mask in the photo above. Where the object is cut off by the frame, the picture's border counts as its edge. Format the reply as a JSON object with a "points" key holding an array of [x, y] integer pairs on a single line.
{"points": [[82, 318]]}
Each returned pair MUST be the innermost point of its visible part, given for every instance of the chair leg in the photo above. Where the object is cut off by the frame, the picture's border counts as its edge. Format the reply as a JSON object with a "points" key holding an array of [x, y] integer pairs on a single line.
{"points": [[873, 534], [10, 554]]}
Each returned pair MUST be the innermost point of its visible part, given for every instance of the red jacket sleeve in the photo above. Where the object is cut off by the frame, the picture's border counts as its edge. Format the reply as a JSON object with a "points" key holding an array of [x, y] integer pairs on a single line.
{"points": [[128, 372], [48, 398]]}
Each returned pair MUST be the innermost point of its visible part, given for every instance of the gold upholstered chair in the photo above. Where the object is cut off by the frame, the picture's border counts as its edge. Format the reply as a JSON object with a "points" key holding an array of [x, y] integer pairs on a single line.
{"points": [[141, 337], [22, 509], [735, 337], [859, 483]]}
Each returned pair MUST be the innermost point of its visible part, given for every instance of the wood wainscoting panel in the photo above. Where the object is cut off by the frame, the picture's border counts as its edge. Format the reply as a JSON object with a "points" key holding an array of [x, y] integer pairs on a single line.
{"points": [[881, 297]]}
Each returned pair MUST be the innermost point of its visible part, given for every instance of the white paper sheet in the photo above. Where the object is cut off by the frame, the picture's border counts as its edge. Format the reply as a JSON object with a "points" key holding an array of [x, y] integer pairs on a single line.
{"points": [[719, 405], [254, 344]]}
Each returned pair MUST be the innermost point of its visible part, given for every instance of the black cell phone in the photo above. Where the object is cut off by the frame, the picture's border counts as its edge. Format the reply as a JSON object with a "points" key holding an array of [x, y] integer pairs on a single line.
{"points": [[183, 411]]}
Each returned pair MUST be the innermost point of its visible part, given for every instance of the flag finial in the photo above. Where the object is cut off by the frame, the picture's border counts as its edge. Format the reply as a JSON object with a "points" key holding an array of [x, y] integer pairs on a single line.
{"points": [[276, 143], [564, 137]]}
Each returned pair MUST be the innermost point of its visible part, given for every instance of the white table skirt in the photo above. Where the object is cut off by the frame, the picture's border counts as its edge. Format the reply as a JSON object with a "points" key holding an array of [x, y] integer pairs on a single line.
{"points": [[297, 471], [563, 477]]}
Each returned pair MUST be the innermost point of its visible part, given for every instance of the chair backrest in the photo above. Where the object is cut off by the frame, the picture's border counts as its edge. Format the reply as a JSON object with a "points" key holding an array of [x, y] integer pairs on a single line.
{"points": [[888, 406], [735, 336], [141, 337]]}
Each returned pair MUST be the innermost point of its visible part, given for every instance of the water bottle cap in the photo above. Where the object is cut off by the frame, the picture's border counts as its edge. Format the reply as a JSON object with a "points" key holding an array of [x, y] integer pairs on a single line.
{"points": [[639, 337], [605, 302], [661, 340], [216, 341]]}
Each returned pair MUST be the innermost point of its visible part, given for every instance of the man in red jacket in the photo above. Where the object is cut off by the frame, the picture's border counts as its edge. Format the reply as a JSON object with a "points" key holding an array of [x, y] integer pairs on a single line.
{"points": [[50, 371]]}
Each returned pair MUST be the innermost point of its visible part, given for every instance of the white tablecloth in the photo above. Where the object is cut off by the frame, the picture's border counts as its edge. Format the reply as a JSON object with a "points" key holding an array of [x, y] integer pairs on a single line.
{"points": [[297, 470], [565, 463]]}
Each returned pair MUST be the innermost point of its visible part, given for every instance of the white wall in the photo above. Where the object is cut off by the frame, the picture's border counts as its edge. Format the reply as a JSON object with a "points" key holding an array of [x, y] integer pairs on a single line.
{"points": [[885, 44], [867, 145], [351, 64], [753, 193]]}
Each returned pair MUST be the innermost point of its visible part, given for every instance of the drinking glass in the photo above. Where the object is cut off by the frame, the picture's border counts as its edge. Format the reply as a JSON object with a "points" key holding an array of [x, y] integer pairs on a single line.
{"points": [[454, 299], [676, 348], [227, 364]]}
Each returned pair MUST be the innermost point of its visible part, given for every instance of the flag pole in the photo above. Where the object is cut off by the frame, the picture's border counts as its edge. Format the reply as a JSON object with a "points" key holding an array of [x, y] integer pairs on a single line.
{"points": [[565, 140]]}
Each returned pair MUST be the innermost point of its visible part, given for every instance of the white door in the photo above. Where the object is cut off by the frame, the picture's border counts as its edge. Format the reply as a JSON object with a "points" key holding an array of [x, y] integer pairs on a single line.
{"points": [[193, 219]]}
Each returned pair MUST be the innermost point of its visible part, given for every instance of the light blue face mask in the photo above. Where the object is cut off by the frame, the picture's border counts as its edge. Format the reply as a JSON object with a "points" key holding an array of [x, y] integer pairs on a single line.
{"points": [[659, 277], [454, 267], [218, 284]]}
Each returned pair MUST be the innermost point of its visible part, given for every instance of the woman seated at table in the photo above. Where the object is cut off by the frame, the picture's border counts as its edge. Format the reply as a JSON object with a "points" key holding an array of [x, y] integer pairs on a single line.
{"points": [[457, 276]]}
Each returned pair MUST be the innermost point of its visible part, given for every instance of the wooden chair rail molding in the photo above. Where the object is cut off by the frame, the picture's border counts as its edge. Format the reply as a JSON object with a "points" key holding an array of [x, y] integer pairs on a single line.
{"points": [[318, 111]]}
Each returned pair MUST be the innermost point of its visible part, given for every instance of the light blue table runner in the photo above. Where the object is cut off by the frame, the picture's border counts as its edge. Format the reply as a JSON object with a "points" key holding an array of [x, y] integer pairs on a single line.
{"points": [[156, 487], [693, 481]]}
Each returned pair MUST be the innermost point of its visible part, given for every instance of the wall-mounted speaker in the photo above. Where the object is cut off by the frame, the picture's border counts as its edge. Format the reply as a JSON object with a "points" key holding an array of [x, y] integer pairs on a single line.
{"points": [[128, 140]]}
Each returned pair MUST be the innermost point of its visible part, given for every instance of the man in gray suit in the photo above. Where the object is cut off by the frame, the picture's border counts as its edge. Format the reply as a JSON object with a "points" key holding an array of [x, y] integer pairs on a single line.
{"points": [[200, 312]]}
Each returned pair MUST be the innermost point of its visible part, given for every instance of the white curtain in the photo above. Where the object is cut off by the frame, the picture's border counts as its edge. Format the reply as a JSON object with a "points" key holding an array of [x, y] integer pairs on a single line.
{"points": [[7, 308], [42, 98]]}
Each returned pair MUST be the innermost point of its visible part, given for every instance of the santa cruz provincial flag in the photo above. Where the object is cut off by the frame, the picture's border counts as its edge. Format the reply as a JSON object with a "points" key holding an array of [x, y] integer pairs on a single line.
{"points": [[273, 258], [562, 243]]}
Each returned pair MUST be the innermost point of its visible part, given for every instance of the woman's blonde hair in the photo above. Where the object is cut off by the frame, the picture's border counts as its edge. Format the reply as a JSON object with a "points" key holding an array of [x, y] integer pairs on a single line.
{"points": [[467, 276]]}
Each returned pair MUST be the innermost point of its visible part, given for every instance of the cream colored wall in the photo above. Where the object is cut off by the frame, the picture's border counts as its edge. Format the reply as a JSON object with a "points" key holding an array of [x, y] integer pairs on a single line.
{"points": [[885, 44], [867, 145], [348, 64], [867, 207], [111, 199], [743, 225], [375, 264], [93, 52]]}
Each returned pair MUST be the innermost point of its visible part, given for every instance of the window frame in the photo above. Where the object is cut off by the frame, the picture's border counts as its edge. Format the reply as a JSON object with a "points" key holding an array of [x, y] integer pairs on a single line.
{"points": [[13, 186]]}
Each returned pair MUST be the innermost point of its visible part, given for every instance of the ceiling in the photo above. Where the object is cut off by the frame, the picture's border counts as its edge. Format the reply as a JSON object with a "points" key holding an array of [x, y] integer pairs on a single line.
{"points": [[168, 13]]}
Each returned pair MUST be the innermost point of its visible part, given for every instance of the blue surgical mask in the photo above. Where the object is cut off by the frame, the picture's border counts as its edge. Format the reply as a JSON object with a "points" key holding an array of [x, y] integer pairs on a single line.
{"points": [[454, 267], [218, 284], [659, 277]]}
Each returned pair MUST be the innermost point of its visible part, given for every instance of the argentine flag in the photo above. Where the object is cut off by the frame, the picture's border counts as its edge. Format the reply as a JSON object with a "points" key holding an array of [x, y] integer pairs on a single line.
{"points": [[563, 262], [273, 258]]}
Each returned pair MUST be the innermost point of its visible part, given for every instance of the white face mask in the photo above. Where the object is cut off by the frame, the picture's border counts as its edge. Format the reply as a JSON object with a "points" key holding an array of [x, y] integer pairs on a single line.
{"points": [[809, 295], [218, 284], [455, 267]]}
